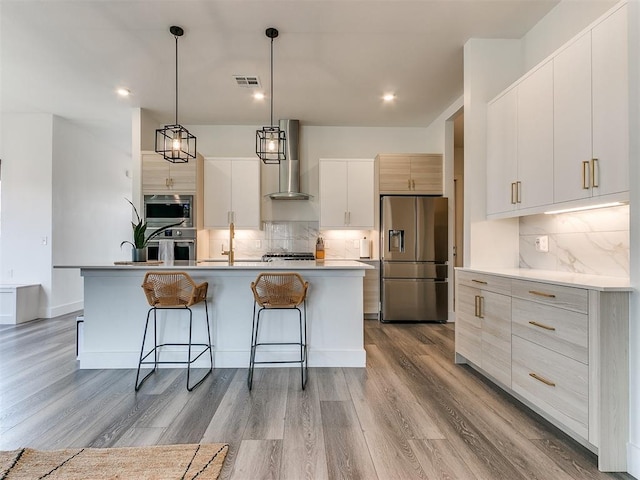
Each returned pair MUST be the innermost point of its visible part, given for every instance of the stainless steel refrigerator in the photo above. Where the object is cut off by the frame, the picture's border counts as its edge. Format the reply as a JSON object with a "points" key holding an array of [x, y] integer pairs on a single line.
{"points": [[413, 254]]}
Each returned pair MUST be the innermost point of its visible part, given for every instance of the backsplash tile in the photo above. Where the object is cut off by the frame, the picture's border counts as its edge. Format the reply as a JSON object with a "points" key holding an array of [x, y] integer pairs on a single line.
{"points": [[287, 236], [592, 242]]}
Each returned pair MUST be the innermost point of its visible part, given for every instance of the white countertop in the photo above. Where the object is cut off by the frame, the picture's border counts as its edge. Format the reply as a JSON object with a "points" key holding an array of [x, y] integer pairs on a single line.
{"points": [[592, 282], [251, 265]]}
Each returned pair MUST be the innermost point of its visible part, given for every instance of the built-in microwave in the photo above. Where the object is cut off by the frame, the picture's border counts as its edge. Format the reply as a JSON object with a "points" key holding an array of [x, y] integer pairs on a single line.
{"points": [[161, 210]]}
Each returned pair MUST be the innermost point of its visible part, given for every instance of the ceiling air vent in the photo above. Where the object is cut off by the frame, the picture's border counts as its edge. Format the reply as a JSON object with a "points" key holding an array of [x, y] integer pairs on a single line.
{"points": [[247, 81]]}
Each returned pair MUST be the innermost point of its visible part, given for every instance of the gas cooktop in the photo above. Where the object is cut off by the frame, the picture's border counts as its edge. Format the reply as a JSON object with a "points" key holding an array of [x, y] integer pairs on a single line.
{"points": [[270, 256]]}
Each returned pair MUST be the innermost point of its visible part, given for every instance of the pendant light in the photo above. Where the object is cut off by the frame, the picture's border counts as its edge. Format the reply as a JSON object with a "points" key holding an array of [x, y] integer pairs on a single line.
{"points": [[174, 142], [270, 141]]}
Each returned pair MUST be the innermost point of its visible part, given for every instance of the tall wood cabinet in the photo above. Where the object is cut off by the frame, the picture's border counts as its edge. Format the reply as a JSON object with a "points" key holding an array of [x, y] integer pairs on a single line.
{"points": [[232, 192], [419, 174], [346, 193]]}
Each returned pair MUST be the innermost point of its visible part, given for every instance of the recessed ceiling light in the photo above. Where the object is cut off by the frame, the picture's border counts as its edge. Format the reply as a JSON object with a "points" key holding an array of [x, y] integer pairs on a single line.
{"points": [[389, 97], [123, 92], [258, 96]]}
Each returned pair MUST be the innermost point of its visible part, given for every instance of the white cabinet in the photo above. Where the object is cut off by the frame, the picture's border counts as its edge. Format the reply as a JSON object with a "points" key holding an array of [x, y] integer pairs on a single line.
{"points": [[346, 193], [591, 113], [232, 192], [161, 176], [520, 145], [535, 139], [502, 169]]}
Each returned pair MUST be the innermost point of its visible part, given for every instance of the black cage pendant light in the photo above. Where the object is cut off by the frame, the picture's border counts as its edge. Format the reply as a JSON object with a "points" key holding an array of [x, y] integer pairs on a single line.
{"points": [[174, 142], [270, 141]]}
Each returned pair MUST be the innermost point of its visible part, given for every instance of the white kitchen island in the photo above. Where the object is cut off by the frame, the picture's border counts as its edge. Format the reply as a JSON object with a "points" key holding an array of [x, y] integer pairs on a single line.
{"points": [[115, 309]]}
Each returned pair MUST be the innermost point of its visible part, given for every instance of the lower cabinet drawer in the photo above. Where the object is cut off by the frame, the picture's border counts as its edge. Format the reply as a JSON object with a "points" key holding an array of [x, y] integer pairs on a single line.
{"points": [[556, 384]]}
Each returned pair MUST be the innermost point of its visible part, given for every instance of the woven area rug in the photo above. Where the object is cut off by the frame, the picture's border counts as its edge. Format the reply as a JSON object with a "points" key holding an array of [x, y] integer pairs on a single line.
{"points": [[161, 462]]}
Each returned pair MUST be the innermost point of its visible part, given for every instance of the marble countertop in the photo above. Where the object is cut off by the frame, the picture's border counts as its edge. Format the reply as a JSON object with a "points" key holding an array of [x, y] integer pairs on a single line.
{"points": [[239, 265], [592, 282]]}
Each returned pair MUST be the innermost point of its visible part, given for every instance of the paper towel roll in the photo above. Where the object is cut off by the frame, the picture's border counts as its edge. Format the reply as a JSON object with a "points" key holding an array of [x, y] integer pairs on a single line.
{"points": [[365, 251]]}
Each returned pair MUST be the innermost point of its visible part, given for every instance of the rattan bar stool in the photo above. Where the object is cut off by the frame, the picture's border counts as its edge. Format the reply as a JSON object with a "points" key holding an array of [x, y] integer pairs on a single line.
{"points": [[279, 291], [173, 291]]}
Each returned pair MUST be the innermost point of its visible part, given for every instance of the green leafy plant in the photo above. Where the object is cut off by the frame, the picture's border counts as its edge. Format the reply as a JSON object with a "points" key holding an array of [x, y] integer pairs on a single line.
{"points": [[140, 237]]}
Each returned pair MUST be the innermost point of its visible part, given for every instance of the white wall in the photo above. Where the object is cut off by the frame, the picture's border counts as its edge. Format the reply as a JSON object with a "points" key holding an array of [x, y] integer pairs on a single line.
{"points": [[90, 214], [489, 67], [25, 243]]}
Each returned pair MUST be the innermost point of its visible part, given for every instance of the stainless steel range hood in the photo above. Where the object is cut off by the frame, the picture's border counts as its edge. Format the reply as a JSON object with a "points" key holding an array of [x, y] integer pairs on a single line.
{"points": [[290, 168]]}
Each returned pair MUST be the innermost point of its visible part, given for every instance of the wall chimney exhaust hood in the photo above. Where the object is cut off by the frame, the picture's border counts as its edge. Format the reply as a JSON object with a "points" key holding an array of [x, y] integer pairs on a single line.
{"points": [[289, 169]]}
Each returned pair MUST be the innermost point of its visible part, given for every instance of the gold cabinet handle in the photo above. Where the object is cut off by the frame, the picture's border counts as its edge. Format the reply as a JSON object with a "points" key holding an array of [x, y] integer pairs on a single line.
{"points": [[542, 379], [409, 183], [476, 312], [585, 174], [518, 190], [513, 193], [542, 294], [594, 172], [542, 325], [166, 182], [413, 184], [479, 281], [480, 306]]}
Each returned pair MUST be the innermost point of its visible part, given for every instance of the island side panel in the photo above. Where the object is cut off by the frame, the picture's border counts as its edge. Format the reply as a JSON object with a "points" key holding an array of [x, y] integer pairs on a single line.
{"points": [[116, 308]]}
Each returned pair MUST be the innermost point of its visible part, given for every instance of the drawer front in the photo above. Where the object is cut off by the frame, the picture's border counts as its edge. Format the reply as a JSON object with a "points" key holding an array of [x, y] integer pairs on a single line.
{"points": [[571, 298], [496, 336], [484, 281], [556, 384], [563, 331]]}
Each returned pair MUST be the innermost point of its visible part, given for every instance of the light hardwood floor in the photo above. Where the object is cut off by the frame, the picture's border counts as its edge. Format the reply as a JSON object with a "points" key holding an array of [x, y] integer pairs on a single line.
{"points": [[410, 414]]}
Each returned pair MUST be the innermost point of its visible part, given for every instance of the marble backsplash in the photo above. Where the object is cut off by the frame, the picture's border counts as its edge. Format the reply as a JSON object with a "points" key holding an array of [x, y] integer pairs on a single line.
{"points": [[287, 236], [592, 241]]}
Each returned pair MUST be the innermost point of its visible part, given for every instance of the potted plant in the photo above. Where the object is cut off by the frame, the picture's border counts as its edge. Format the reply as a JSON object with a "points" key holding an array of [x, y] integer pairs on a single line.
{"points": [[140, 237]]}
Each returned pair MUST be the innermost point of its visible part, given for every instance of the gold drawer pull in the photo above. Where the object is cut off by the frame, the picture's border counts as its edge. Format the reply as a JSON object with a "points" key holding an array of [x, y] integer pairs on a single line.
{"points": [[542, 379], [479, 281], [541, 325], [542, 294]]}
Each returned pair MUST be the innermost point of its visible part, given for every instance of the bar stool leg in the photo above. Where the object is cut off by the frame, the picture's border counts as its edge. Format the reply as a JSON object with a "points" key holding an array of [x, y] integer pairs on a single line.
{"points": [[190, 388], [142, 356], [254, 341]]}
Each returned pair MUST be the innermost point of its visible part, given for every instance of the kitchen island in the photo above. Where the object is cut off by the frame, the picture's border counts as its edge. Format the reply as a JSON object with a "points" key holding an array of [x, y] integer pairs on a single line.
{"points": [[115, 309]]}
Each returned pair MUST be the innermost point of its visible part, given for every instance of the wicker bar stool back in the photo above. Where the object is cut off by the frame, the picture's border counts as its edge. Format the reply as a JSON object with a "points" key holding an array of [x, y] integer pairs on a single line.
{"points": [[279, 291], [172, 291]]}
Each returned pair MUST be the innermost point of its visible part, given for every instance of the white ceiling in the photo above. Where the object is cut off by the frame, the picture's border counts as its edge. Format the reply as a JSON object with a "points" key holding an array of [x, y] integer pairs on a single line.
{"points": [[333, 60]]}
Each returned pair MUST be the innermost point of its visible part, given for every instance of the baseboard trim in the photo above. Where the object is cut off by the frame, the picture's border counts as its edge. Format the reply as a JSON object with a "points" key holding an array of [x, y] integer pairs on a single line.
{"points": [[64, 309]]}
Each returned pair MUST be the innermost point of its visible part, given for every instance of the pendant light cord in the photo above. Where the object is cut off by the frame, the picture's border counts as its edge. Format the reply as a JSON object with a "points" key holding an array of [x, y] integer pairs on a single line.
{"points": [[176, 37], [272, 82]]}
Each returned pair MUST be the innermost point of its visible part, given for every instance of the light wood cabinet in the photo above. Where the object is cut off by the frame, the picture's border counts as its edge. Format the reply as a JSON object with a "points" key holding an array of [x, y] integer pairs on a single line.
{"points": [[485, 306], [591, 113], [347, 193], [232, 192], [161, 176], [568, 348], [419, 174]]}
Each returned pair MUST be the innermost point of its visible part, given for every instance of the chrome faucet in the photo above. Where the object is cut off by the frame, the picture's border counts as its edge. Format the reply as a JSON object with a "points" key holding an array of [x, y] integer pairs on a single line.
{"points": [[230, 251]]}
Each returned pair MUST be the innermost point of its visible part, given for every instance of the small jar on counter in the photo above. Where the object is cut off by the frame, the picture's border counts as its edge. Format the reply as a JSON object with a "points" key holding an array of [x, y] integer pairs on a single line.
{"points": [[320, 249]]}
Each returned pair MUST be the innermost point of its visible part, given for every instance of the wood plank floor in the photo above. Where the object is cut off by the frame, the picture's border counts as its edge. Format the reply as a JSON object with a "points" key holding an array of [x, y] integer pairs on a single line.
{"points": [[410, 414]]}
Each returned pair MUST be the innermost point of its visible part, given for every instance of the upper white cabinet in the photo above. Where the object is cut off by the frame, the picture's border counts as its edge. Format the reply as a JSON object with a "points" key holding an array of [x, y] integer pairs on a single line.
{"points": [[591, 113], [520, 145], [570, 125], [346, 193], [161, 176], [502, 160], [232, 193]]}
